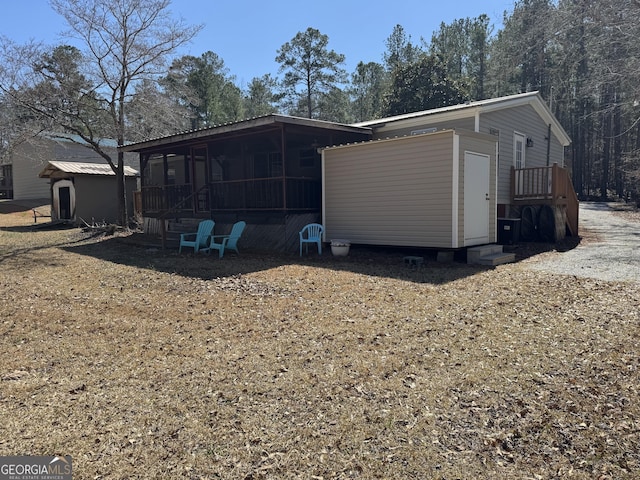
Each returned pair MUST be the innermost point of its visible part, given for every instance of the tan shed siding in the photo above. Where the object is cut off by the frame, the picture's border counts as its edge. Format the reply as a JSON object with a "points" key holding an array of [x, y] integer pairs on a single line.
{"points": [[395, 192], [97, 197], [523, 119], [483, 146], [393, 131]]}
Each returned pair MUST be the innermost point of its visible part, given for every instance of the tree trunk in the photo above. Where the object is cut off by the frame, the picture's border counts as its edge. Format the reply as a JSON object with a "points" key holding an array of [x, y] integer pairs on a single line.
{"points": [[606, 142], [617, 150], [122, 196], [577, 154]]}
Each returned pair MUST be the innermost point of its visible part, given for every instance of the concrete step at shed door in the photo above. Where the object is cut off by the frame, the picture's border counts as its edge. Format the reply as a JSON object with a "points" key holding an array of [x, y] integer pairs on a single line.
{"points": [[489, 255]]}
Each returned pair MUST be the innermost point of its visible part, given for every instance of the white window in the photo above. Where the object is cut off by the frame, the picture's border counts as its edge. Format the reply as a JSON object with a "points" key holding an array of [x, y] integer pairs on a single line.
{"points": [[519, 143]]}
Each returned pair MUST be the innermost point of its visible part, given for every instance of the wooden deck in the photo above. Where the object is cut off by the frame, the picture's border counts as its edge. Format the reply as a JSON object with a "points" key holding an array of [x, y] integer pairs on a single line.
{"points": [[546, 186]]}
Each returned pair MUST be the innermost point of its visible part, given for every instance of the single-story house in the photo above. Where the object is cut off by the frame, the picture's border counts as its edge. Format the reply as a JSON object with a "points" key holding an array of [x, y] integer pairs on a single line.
{"points": [[28, 158], [279, 173], [86, 192], [412, 184]]}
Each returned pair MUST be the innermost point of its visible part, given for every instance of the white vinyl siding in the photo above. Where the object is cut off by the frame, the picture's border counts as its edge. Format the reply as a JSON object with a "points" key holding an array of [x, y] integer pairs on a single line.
{"points": [[523, 119], [393, 130], [28, 161]]}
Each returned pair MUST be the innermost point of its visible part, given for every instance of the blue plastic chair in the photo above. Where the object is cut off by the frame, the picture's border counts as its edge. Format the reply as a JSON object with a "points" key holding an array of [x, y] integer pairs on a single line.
{"points": [[227, 242], [199, 240], [311, 233]]}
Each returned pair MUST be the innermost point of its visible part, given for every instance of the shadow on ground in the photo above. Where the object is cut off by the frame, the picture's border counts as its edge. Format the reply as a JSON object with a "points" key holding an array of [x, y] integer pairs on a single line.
{"points": [[524, 250], [59, 225], [136, 251], [76, 236], [15, 206]]}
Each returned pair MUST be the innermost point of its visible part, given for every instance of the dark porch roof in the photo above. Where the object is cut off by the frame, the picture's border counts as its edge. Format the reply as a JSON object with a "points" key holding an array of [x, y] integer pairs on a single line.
{"points": [[251, 126]]}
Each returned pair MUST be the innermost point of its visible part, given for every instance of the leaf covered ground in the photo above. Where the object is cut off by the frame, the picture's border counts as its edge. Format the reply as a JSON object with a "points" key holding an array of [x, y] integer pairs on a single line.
{"points": [[147, 364]]}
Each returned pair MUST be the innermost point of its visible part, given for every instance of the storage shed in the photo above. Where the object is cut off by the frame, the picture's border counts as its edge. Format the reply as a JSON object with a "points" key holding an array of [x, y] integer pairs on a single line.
{"points": [[432, 190], [86, 191]]}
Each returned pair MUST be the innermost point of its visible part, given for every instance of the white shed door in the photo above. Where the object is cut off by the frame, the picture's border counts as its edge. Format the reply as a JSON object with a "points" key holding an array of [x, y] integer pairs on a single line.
{"points": [[476, 199]]}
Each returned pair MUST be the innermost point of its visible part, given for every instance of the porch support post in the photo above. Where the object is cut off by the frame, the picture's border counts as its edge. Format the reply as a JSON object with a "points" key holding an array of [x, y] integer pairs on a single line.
{"points": [[513, 183], [144, 161], [140, 203], [165, 201], [283, 149], [165, 181], [163, 233], [165, 170], [555, 183]]}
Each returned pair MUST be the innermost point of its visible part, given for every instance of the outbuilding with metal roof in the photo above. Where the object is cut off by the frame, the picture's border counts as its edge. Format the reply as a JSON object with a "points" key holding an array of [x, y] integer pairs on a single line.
{"points": [[86, 192]]}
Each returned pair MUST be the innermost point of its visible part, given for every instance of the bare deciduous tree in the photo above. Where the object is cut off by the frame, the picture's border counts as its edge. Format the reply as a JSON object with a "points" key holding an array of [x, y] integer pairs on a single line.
{"points": [[123, 43]]}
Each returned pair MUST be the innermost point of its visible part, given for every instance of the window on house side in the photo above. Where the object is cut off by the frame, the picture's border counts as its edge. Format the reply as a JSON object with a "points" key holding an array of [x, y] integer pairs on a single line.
{"points": [[518, 150]]}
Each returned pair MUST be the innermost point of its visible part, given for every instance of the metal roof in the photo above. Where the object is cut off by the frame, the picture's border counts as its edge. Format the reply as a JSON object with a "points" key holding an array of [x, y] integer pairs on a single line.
{"points": [[471, 108], [72, 138], [80, 168], [251, 124]]}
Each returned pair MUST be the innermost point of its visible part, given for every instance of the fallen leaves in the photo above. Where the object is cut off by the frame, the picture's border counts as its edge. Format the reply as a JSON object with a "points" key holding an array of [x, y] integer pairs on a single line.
{"points": [[141, 363]]}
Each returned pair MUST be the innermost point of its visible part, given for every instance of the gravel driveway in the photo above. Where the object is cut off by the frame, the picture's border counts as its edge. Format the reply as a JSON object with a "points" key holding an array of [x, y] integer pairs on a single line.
{"points": [[612, 255]]}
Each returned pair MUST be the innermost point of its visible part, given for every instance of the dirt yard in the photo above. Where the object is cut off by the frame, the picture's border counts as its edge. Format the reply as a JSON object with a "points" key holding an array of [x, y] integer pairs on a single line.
{"points": [[144, 364]]}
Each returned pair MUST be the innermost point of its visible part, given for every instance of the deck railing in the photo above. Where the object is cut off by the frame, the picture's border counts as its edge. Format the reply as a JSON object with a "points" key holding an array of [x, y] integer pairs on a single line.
{"points": [[546, 185], [155, 199], [235, 195]]}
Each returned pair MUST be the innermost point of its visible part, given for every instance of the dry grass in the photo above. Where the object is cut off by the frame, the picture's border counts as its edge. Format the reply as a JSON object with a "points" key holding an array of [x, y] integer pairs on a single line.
{"points": [[141, 364]]}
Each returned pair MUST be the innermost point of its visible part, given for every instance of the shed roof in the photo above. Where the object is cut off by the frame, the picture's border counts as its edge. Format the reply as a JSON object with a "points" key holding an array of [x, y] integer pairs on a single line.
{"points": [[78, 168], [446, 131]]}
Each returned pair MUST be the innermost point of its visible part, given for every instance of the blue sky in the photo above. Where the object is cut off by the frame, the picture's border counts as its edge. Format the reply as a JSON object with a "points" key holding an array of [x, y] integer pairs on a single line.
{"points": [[246, 34]]}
